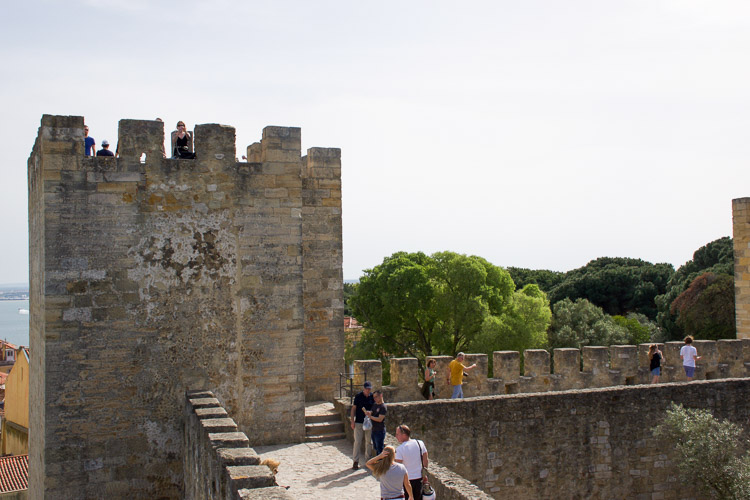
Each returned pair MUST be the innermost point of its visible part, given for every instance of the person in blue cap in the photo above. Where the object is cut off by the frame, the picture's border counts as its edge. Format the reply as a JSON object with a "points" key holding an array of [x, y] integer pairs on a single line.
{"points": [[362, 401]]}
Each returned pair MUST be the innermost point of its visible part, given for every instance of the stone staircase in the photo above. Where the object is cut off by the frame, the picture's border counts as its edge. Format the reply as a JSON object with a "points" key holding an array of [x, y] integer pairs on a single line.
{"points": [[322, 422]]}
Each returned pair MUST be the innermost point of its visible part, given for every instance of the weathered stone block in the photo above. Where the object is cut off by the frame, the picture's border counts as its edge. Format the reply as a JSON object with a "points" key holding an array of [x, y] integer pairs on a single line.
{"points": [[625, 359], [368, 370], [506, 365], [475, 384], [250, 476], [535, 362], [596, 362], [238, 456], [136, 137], [404, 379]]}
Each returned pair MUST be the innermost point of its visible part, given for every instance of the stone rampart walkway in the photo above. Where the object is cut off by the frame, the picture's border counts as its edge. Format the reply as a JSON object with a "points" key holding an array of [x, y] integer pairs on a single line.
{"points": [[321, 470]]}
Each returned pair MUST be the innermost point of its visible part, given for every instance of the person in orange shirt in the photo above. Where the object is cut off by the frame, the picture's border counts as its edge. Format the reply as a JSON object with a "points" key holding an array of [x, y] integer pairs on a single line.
{"points": [[456, 371]]}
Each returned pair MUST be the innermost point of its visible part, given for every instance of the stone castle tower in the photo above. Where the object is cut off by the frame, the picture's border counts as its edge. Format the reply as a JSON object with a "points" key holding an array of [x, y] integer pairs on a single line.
{"points": [[741, 240], [153, 276]]}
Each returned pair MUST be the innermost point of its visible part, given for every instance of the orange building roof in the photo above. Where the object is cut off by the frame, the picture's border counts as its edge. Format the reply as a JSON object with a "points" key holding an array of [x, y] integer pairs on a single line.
{"points": [[14, 473]]}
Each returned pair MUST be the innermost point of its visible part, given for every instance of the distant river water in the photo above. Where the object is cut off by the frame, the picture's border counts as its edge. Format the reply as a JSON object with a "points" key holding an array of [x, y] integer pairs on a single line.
{"points": [[14, 327]]}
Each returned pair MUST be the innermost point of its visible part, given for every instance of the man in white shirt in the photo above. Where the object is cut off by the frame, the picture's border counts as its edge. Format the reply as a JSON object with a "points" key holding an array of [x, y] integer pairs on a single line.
{"points": [[689, 355], [413, 454]]}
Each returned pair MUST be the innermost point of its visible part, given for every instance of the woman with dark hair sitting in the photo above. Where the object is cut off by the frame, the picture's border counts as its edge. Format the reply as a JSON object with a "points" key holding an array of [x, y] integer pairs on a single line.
{"points": [[182, 143]]}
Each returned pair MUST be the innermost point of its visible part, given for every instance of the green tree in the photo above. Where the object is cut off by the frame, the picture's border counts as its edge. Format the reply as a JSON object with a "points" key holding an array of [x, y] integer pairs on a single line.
{"points": [[546, 280], [523, 327], [580, 323], [617, 285], [705, 309], [716, 257], [417, 305], [639, 333], [710, 453]]}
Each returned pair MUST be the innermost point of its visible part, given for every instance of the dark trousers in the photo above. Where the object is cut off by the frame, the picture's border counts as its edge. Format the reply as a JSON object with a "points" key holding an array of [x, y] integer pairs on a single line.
{"points": [[378, 438], [416, 488]]}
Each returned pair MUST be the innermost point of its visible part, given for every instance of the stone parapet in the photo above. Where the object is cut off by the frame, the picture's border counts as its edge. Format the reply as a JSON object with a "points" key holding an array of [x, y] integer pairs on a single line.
{"points": [[536, 371], [596, 365], [732, 364], [590, 443], [475, 383], [404, 380], [442, 374], [601, 367], [217, 461], [368, 370]]}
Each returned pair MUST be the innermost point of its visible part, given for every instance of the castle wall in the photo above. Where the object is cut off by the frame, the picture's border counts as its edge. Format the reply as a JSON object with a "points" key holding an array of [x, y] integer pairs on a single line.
{"points": [[591, 443], [150, 278], [602, 367], [741, 239]]}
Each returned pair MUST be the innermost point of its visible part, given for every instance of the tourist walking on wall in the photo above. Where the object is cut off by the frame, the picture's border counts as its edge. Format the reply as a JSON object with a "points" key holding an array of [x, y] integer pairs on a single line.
{"points": [[456, 371], [377, 415], [362, 401], [413, 454], [655, 356], [428, 388], [392, 476], [689, 356]]}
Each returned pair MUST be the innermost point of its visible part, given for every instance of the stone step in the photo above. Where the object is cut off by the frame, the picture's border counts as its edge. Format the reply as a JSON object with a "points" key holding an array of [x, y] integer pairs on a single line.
{"points": [[325, 437], [324, 428], [323, 417]]}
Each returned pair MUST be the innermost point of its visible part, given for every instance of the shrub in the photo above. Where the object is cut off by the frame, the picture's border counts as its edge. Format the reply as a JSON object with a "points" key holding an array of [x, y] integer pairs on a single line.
{"points": [[710, 453]]}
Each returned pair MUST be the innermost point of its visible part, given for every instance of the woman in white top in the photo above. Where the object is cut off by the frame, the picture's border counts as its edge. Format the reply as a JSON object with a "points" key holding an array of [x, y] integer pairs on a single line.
{"points": [[392, 476], [689, 356]]}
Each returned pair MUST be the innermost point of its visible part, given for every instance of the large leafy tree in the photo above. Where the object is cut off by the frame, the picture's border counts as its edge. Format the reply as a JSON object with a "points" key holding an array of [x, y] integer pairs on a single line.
{"points": [[580, 323], [546, 280], [641, 329], [524, 326], [716, 257], [705, 309], [617, 285], [417, 305]]}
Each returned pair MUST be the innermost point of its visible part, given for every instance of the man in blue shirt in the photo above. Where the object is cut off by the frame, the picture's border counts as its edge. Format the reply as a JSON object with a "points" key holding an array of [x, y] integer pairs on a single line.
{"points": [[89, 143], [362, 401]]}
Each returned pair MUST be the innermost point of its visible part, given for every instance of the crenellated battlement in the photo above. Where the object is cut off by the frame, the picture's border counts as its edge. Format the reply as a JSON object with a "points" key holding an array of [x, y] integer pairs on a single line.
{"points": [[591, 367], [151, 276]]}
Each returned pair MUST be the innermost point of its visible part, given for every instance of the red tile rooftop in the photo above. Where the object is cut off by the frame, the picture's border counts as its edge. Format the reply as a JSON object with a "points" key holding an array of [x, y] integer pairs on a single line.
{"points": [[14, 473]]}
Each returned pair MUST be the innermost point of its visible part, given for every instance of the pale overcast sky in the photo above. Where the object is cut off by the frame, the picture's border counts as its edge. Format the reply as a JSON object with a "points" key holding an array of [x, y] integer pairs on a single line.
{"points": [[539, 134]]}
